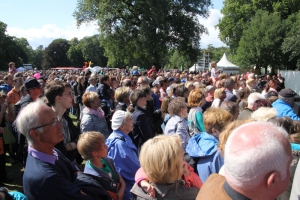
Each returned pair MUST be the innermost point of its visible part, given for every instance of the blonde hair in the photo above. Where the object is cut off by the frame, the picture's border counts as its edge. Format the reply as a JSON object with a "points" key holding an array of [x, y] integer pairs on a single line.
{"points": [[88, 97], [264, 114], [88, 143], [216, 118], [121, 93], [218, 92], [228, 130], [160, 158]]}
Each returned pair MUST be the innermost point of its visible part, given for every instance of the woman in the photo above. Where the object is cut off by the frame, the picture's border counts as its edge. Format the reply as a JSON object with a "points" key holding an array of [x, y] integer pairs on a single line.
{"points": [[195, 118], [219, 97], [143, 128], [79, 89], [164, 112], [162, 160], [242, 101], [122, 150], [93, 118], [178, 124], [270, 86]]}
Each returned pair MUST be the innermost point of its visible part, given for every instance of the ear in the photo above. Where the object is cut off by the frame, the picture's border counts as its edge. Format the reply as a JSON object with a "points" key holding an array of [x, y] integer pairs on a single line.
{"points": [[57, 98], [273, 181], [215, 132], [34, 134]]}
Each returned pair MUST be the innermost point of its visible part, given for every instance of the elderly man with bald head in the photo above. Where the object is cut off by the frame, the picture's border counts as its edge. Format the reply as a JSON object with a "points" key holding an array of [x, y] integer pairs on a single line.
{"points": [[256, 164]]}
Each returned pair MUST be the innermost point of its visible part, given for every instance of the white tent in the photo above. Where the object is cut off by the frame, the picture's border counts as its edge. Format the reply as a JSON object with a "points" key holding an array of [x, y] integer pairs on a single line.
{"points": [[196, 68], [225, 65]]}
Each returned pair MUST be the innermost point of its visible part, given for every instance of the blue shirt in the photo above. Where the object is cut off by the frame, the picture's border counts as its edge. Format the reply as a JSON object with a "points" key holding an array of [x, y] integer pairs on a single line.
{"points": [[125, 157]]}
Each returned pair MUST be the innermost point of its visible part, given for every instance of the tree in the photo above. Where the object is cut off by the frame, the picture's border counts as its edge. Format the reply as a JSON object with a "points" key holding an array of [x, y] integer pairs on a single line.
{"points": [[143, 31], [37, 58], [92, 51], [261, 41], [177, 61], [74, 53], [291, 44], [239, 13], [56, 54]]}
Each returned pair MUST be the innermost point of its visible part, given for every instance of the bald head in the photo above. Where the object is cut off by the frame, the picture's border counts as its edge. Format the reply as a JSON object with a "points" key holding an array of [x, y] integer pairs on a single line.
{"points": [[252, 151]]}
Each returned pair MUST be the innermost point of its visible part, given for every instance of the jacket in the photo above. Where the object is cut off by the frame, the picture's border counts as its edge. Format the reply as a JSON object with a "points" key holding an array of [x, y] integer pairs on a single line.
{"points": [[102, 91], [179, 126], [90, 122], [174, 191], [204, 147], [230, 96], [107, 182], [125, 157], [143, 128], [195, 121], [74, 134], [284, 109], [213, 189]]}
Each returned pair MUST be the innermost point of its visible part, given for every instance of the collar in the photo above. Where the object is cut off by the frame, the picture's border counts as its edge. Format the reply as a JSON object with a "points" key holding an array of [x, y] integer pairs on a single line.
{"points": [[43, 156], [122, 104], [232, 193]]}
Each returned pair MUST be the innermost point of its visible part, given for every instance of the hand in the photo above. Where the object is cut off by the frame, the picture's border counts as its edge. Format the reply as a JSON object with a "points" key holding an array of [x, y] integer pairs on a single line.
{"points": [[148, 187]]}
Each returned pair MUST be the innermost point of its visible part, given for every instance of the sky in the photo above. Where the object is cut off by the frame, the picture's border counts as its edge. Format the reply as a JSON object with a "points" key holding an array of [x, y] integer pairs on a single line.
{"points": [[40, 22]]}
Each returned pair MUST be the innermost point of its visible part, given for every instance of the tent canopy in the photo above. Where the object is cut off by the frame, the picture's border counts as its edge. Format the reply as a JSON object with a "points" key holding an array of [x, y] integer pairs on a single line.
{"points": [[225, 63]]}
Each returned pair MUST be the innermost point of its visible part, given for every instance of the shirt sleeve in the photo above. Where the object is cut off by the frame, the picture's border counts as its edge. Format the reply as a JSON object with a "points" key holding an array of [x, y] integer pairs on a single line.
{"points": [[199, 122]]}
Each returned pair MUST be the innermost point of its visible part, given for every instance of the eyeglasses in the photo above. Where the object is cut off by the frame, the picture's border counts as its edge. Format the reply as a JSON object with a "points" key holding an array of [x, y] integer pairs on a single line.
{"points": [[52, 122], [70, 94]]}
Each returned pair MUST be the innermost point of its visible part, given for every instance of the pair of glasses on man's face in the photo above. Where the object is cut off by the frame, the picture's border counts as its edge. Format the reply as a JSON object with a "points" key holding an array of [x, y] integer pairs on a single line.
{"points": [[53, 123]]}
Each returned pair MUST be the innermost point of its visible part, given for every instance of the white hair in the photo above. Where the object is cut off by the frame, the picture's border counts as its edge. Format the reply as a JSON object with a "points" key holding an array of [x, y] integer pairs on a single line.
{"points": [[264, 113], [29, 118], [254, 97], [247, 163]]}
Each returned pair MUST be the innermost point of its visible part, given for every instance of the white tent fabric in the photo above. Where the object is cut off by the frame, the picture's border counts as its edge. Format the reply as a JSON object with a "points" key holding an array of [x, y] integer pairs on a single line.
{"points": [[225, 63], [196, 67], [20, 69], [226, 66]]}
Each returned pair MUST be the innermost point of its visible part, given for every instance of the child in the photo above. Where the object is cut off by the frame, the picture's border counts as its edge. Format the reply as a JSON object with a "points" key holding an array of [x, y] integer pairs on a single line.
{"points": [[92, 147], [189, 176]]}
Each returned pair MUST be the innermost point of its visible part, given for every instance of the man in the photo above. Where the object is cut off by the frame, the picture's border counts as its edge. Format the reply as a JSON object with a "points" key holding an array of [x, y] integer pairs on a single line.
{"points": [[48, 174], [92, 87], [60, 98], [209, 97], [34, 90], [256, 165], [284, 104], [280, 82], [246, 113], [228, 84], [231, 107], [103, 88]]}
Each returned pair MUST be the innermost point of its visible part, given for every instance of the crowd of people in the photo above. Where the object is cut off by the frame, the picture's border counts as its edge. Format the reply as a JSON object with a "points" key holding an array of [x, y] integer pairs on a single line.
{"points": [[150, 134]]}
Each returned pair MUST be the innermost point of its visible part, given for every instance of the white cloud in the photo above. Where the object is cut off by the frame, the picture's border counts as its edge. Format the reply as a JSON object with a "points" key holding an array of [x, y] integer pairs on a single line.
{"points": [[48, 32], [213, 33]]}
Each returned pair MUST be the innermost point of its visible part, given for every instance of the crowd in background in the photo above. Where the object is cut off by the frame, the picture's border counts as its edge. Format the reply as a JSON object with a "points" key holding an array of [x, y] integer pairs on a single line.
{"points": [[150, 134]]}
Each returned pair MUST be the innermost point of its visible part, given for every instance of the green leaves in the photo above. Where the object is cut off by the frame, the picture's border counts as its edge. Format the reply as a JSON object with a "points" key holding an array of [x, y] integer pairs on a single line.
{"points": [[141, 32]]}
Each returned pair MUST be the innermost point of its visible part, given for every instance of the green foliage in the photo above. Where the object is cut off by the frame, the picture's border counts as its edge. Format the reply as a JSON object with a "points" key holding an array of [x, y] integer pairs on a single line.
{"points": [[55, 55], [215, 53], [291, 44], [92, 51], [142, 32], [177, 60], [261, 41], [37, 57]]}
